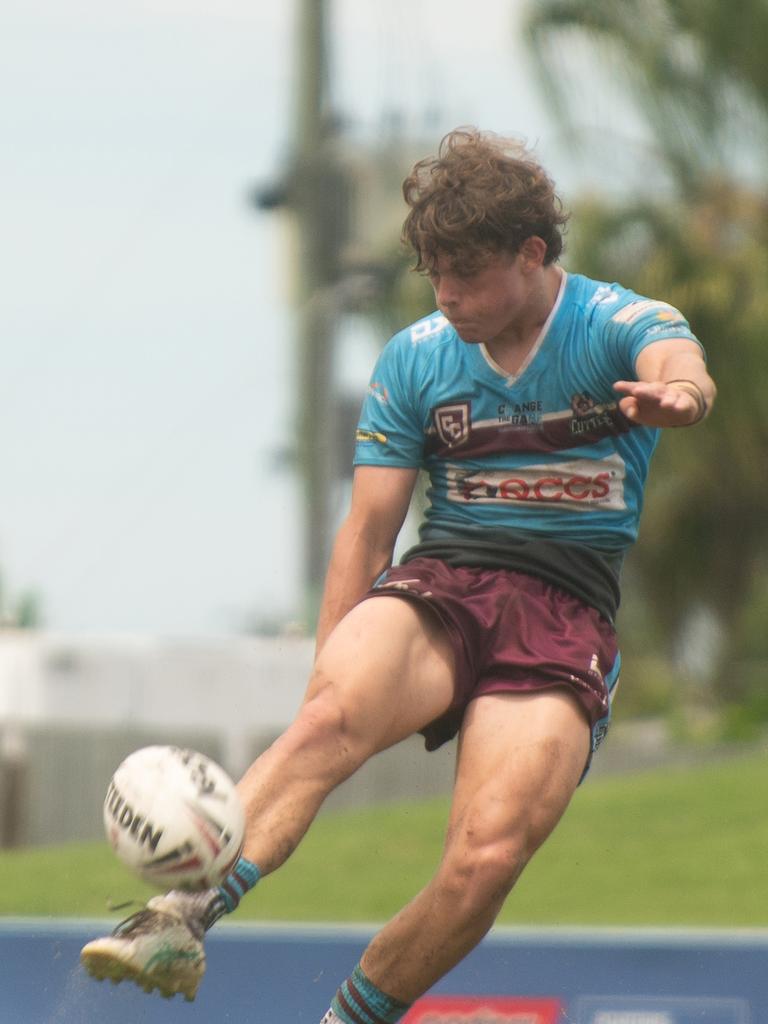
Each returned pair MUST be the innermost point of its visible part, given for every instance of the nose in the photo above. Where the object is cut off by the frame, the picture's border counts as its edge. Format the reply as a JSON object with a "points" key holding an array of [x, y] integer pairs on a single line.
{"points": [[447, 293]]}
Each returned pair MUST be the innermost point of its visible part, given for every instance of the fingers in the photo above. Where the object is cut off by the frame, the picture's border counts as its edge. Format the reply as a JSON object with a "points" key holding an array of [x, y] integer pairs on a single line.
{"points": [[656, 404], [642, 389], [629, 408]]}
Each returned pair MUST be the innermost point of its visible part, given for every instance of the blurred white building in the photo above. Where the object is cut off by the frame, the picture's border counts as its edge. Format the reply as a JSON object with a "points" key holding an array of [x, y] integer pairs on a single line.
{"points": [[233, 687], [73, 706]]}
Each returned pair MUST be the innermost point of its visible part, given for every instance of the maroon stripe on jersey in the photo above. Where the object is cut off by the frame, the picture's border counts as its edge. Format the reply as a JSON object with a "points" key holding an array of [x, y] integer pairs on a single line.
{"points": [[550, 435]]}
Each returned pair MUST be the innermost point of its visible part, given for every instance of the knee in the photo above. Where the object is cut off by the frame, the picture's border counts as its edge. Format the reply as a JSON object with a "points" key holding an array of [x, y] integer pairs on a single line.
{"points": [[479, 876], [323, 728], [321, 720]]}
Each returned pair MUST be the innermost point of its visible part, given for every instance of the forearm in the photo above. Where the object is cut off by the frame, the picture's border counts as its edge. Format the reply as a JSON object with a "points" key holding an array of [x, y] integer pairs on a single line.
{"points": [[672, 389], [685, 369], [357, 560]]}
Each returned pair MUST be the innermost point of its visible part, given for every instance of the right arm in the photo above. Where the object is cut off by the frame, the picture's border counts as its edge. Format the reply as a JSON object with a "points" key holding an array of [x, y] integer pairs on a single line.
{"points": [[366, 540]]}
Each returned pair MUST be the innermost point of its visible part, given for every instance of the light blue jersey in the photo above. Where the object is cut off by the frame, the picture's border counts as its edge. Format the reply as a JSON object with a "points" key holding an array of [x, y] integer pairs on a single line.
{"points": [[545, 452]]}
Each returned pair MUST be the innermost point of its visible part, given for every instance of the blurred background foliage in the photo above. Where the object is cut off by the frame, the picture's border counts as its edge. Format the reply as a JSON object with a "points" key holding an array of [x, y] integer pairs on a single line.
{"points": [[697, 586]]}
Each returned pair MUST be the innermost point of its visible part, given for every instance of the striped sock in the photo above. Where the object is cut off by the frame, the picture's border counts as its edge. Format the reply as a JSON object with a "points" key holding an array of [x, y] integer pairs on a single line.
{"points": [[359, 1001], [226, 898]]}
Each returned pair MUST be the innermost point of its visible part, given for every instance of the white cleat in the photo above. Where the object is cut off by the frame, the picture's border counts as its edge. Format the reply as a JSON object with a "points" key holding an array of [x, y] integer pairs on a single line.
{"points": [[156, 948]]}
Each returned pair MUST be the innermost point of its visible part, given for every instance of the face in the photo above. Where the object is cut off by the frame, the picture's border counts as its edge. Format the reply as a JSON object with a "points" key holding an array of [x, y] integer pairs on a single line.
{"points": [[482, 303]]}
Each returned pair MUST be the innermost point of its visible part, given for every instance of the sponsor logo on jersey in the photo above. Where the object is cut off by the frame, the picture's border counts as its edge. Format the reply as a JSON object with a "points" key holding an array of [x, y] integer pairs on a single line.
{"points": [[662, 311], [452, 423], [379, 392], [589, 416], [370, 435], [407, 585], [583, 484], [426, 328], [520, 414], [664, 328], [605, 295], [582, 403]]}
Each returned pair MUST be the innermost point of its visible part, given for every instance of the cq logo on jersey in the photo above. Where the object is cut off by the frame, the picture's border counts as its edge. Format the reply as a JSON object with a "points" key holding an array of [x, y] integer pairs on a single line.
{"points": [[452, 423]]}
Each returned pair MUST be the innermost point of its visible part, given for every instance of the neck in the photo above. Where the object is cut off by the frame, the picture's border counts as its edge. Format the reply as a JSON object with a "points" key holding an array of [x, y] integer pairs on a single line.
{"points": [[510, 348]]}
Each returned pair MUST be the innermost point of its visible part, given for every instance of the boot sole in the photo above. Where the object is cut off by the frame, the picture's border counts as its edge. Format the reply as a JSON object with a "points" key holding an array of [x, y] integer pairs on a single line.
{"points": [[104, 966]]}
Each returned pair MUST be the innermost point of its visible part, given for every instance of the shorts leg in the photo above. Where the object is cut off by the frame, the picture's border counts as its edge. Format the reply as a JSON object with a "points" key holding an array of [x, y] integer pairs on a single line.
{"points": [[512, 633]]}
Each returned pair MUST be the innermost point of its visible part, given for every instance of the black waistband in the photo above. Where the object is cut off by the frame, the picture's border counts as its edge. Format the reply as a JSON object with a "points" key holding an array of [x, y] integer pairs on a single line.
{"points": [[587, 573]]}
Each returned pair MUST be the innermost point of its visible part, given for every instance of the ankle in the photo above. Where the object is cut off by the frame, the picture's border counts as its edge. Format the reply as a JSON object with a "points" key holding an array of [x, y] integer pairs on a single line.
{"points": [[358, 1000]]}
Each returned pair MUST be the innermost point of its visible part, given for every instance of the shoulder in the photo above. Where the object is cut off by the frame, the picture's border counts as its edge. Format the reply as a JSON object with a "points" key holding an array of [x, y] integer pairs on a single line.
{"points": [[621, 321], [598, 301], [612, 304], [411, 354], [424, 335]]}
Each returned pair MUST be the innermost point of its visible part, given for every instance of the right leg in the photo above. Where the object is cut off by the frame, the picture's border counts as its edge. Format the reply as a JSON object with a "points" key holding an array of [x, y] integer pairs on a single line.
{"points": [[385, 672]]}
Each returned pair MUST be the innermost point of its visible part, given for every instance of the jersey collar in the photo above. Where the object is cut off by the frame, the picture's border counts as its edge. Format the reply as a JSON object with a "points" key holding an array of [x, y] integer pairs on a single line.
{"points": [[512, 377]]}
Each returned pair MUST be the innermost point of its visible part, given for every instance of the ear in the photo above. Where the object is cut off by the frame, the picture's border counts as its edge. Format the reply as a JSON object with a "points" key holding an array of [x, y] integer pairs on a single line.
{"points": [[533, 252]]}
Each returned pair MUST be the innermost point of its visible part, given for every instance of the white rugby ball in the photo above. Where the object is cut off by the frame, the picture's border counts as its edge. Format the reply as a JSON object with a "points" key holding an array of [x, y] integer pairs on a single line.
{"points": [[174, 817]]}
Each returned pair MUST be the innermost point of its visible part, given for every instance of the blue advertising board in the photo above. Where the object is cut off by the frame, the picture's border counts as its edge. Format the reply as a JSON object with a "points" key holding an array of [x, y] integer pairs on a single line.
{"points": [[259, 974]]}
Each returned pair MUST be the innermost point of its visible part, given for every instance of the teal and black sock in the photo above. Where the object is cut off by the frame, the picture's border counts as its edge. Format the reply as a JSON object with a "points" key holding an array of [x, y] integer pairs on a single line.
{"points": [[226, 898], [359, 1001]]}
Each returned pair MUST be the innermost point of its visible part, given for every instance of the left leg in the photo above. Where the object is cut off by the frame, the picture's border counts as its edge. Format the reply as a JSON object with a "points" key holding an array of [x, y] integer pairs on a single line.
{"points": [[385, 672], [520, 759]]}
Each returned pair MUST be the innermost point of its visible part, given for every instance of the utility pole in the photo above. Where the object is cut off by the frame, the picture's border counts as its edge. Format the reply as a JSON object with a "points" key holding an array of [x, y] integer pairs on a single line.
{"points": [[317, 190], [323, 210], [340, 198]]}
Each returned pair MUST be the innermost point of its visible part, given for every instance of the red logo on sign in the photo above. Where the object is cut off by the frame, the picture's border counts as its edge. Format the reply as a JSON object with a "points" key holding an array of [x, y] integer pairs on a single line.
{"points": [[483, 1010]]}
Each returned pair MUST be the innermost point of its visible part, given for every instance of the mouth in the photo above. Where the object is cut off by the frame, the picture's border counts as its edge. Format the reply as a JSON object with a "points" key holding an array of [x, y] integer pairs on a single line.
{"points": [[465, 329]]}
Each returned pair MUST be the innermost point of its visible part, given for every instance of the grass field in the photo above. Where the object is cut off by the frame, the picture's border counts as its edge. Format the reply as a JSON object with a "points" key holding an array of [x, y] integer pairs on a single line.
{"points": [[673, 847]]}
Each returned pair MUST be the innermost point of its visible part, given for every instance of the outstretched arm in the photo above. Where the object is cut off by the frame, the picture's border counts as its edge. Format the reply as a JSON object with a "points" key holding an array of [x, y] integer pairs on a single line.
{"points": [[673, 387]]}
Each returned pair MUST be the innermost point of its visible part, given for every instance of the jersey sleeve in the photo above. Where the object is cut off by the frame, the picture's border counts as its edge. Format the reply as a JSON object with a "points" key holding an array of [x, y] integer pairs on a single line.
{"points": [[390, 431], [637, 324]]}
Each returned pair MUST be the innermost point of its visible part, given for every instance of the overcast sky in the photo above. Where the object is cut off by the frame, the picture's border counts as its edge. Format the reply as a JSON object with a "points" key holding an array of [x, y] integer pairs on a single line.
{"points": [[146, 358]]}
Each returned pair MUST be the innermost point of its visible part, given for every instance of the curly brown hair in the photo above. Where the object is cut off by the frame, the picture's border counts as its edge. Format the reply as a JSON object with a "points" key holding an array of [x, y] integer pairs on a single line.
{"points": [[482, 194]]}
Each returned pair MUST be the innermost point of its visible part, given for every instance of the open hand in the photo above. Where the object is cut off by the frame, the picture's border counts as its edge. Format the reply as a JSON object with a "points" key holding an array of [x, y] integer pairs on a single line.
{"points": [[656, 404]]}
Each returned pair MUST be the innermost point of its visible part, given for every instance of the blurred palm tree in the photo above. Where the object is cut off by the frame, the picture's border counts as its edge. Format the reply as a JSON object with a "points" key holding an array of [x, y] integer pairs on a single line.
{"points": [[697, 71], [704, 540], [695, 68]]}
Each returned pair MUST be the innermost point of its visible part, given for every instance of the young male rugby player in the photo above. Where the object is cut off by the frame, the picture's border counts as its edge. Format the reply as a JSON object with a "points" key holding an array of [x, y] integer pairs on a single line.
{"points": [[534, 399]]}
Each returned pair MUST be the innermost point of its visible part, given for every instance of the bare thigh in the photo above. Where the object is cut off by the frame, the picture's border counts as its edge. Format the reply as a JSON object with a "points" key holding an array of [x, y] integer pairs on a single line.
{"points": [[385, 672], [520, 759], [389, 665]]}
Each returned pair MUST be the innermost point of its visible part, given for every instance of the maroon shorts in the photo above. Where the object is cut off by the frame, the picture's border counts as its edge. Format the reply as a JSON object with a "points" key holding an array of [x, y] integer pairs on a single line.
{"points": [[511, 633]]}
